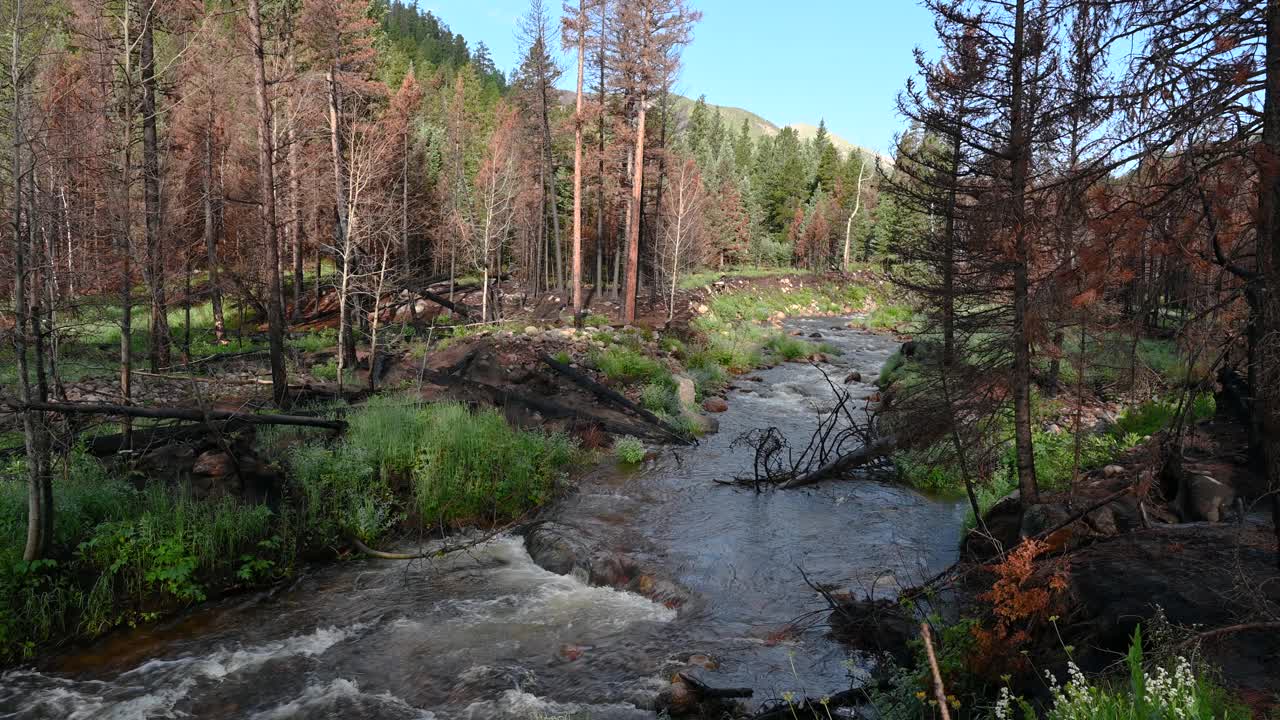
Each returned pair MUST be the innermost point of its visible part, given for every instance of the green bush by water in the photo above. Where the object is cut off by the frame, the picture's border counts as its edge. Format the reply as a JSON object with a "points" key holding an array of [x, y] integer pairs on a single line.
{"points": [[473, 466], [121, 555], [629, 450], [625, 365]]}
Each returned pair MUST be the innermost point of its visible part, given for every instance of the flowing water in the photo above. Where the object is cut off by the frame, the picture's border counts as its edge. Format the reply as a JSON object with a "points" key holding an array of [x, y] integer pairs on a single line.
{"points": [[490, 634]]}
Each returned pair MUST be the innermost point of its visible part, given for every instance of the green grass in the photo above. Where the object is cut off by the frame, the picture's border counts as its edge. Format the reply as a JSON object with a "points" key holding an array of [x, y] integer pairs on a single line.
{"points": [[660, 397], [473, 466], [121, 555], [462, 467], [629, 450], [706, 277], [625, 365], [787, 347], [891, 317]]}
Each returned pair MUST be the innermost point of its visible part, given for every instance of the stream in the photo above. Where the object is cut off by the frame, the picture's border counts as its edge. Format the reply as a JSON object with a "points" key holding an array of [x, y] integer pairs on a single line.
{"points": [[491, 634]]}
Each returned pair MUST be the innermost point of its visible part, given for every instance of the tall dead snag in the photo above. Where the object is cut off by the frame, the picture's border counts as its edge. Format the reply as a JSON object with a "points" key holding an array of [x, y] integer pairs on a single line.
{"points": [[680, 234], [646, 43], [210, 225], [1019, 154], [575, 32], [1269, 252], [153, 267], [266, 192], [26, 322], [497, 185]]}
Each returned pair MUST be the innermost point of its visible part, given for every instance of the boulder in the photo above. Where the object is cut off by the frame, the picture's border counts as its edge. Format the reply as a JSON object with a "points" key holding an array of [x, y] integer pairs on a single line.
{"points": [[715, 405], [706, 424], [815, 335], [853, 377], [1201, 497], [214, 464], [558, 549], [686, 391], [167, 461]]}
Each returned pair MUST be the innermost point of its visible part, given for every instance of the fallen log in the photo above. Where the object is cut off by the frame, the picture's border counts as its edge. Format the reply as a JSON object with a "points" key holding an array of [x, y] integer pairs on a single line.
{"points": [[863, 455], [612, 396], [502, 398], [175, 377], [192, 414], [445, 302]]}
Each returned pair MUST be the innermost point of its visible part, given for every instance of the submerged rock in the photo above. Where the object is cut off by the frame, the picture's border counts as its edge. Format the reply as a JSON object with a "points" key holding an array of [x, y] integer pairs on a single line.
{"points": [[558, 549], [715, 405]]}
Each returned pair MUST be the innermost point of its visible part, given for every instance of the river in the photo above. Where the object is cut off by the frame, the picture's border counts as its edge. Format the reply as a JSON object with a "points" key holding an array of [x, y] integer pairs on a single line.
{"points": [[490, 634]]}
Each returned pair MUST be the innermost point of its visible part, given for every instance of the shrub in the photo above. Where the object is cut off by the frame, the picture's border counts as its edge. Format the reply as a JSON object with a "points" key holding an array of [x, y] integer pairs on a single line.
{"points": [[474, 466], [789, 348], [660, 397], [890, 317], [343, 494], [117, 550], [314, 341], [625, 365], [1172, 692], [629, 450]]}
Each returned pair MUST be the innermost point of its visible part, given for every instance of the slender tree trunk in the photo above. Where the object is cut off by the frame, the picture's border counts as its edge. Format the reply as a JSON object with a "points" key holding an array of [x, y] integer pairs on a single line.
{"points": [[295, 215], [600, 177], [1267, 401], [266, 190], [34, 428], [577, 163], [857, 205], [1028, 487], [210, 232], [154, 266], [125, 238], [633, 232], [341, 229]]}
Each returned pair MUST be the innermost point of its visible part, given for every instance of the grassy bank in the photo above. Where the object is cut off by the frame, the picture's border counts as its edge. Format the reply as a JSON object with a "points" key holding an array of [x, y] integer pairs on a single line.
{"points": [[124, 554], [935, 469]]}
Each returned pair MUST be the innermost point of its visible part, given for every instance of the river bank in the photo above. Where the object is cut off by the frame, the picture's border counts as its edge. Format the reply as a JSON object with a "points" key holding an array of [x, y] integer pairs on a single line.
{"points": [[674, 572]]}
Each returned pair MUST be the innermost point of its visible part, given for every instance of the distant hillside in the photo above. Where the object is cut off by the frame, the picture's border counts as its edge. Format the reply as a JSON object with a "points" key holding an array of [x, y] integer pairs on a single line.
{"points": [[759, 126], [756, 125]]}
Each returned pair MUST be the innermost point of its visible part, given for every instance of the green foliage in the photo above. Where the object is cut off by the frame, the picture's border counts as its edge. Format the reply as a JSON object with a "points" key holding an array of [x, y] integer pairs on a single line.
{"points": [[660, 397], [343, 493], [890, 317], [1173, 692], [596, 321], [1153, 416], [473, 466], [314, 341], [624, 365], [787, 347], [389, 430], [118, 550], [708, 374], [629, 450]]}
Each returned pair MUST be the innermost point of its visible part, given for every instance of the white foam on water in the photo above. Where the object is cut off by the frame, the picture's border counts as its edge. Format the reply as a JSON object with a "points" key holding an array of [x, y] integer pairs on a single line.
{"points": [[520, 705], [224, 662], [345, 695], [558, 599], [169, 681]]}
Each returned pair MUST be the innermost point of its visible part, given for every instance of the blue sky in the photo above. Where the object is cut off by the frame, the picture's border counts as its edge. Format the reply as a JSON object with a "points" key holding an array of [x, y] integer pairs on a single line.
{"points": [[839, 60]]}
